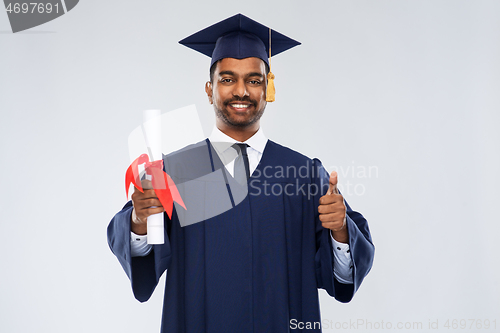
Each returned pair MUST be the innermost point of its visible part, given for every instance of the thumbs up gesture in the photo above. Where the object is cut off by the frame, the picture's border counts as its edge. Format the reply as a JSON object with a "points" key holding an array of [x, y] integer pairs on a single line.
{"points": [[332, 211]]}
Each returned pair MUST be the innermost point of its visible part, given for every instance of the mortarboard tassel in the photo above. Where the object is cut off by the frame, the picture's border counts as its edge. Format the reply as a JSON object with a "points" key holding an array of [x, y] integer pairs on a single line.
{"points": [[271, 91]]}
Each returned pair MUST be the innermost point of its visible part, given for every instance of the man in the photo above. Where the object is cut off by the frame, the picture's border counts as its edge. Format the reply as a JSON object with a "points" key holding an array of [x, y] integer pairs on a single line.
{"points": [[256, 266]]}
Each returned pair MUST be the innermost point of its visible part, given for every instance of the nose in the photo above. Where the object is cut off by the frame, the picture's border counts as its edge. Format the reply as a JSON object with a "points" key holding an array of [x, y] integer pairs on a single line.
{"points": [[240, 89]]}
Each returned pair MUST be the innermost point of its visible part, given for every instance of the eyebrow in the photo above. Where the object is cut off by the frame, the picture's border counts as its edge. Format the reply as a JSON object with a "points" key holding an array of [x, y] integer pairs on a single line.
{"points": [[248, 75], [226, 73], [256, 74]]}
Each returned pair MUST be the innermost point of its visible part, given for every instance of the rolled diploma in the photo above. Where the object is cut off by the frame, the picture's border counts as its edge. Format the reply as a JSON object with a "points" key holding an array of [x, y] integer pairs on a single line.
{"points": [[152, 136]]}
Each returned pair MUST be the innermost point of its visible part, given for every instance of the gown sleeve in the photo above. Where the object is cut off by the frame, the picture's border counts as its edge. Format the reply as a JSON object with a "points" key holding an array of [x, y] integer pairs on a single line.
{"points": [[143, 272], [360, 244]]}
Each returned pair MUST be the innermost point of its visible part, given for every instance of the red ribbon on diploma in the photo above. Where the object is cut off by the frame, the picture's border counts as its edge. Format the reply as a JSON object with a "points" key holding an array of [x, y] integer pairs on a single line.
{"points": [[163, 185]]}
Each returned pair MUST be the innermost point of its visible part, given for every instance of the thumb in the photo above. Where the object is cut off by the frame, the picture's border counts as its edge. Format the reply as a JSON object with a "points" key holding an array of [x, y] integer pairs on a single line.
{"points": [[333, 183]]}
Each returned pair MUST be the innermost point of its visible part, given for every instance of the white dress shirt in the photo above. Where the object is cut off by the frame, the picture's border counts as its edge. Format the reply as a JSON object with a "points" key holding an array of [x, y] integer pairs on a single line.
{"points": [[342, 262]]}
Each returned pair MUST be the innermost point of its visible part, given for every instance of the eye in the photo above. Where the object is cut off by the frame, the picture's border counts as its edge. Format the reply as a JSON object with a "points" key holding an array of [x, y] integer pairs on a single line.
{"points": [[226, 80], [256, 82]]}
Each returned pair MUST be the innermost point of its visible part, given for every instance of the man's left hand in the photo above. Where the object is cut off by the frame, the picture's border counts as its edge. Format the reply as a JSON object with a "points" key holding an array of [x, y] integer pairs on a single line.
{"points": [[332, 211]]}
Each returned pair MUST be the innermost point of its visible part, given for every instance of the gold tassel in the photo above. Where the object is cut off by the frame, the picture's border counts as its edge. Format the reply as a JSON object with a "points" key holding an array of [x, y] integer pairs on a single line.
{"points": [[271, 92]]}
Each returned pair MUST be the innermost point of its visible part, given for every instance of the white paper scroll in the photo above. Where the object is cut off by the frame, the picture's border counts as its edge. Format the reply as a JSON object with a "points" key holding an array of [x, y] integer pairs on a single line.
{"points": [[152, 136]]}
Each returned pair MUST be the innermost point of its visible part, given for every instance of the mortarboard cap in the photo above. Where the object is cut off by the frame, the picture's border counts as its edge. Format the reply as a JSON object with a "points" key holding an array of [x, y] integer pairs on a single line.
{"points": [[240, 37]]}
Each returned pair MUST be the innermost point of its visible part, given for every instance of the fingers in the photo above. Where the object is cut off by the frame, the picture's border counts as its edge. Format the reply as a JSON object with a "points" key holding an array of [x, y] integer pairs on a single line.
{"points": [[333, 183], [146, 203], [333, 207], [331, 217], [147, 211], [330, 199], [147, 194], [333, 221], [141, 202], [141, 213], [332, 210], [332, 195]]}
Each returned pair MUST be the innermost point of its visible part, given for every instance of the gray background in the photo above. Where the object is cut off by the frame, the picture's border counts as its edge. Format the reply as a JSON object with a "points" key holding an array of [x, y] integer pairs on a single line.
{"points": [[409, 88]]}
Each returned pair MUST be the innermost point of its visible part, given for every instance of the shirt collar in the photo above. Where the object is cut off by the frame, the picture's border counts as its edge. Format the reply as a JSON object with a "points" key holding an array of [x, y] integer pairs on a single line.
{"points": [[258, 141]]}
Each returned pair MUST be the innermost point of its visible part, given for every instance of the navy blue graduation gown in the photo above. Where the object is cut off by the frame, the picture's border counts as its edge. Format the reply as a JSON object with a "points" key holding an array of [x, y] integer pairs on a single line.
{"points": [[255, 267]]}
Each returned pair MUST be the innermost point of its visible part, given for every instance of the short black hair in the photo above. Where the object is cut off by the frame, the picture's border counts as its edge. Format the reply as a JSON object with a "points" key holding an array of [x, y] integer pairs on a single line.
{"points": [[212, 70]]}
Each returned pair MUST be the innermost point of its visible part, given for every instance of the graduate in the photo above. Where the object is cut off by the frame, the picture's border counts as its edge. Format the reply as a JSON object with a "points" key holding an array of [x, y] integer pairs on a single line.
{"points": [[264, 226]]}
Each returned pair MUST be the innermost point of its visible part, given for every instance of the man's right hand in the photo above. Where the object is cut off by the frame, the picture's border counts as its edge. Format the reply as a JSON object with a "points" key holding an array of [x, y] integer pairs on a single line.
{"points": [[145, 204]]}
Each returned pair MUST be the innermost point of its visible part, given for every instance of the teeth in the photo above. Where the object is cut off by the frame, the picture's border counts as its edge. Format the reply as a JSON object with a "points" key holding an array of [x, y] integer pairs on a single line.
{"points": [[239, 106]]}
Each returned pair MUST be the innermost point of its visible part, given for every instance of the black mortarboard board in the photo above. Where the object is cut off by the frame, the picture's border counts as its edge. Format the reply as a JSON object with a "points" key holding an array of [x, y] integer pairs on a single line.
{"points": [[240, 37]]}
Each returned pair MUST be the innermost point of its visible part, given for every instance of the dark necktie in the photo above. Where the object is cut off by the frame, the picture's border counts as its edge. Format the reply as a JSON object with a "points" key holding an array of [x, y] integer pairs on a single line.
{"points": [[241, 165]]}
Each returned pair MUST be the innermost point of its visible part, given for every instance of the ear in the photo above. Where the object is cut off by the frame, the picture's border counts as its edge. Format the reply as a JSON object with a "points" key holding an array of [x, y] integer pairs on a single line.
{"points": [[208, 90]]}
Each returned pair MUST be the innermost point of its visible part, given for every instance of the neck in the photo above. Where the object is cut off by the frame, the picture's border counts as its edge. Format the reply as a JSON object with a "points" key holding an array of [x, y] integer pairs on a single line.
{"points": [[241, 134]]}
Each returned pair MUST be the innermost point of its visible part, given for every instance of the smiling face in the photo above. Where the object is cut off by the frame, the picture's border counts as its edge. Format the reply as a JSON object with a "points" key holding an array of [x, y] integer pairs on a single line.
{"points": [[238, 94]]}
